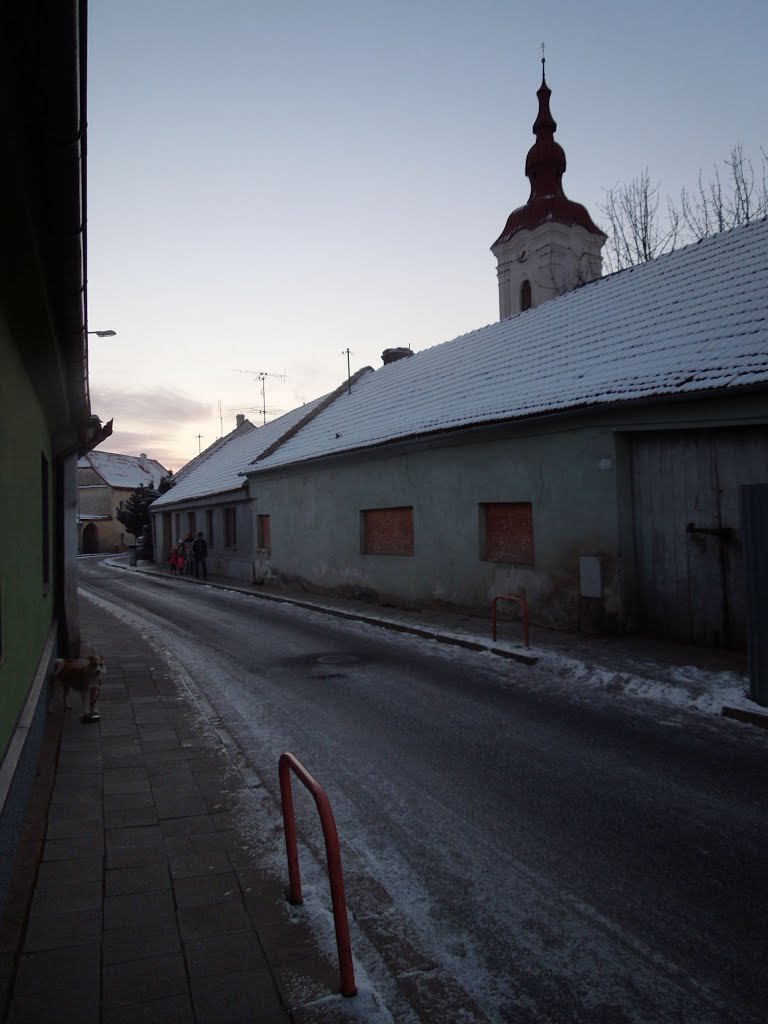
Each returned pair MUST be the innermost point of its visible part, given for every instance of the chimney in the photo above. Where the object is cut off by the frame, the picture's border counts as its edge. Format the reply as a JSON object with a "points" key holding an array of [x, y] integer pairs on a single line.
{"points": [[143, 460], [240, 419], [391, 355]]}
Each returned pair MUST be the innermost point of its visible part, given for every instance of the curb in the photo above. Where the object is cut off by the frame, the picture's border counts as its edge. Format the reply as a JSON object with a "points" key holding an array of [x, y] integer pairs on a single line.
{"points": [[742, 715]]}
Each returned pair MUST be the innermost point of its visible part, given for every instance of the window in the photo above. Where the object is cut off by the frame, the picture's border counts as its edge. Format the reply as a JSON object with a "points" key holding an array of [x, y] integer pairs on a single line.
{"points": [[191, 523], [507, 532], [526, 300], [45, 522], [387, 531], [178, 526], [209, 526], [264, 535], [230, 528]]}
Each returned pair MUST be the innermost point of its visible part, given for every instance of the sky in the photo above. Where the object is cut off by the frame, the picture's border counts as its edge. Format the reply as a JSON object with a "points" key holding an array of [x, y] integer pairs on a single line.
{"points": [[271, 184]]}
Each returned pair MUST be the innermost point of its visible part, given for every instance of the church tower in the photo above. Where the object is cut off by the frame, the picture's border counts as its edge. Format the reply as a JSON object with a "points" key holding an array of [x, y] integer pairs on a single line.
{"points": [[550, 245]]}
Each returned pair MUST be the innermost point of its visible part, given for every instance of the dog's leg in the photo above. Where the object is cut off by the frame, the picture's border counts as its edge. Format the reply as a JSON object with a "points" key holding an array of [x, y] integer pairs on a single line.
{"points": [[94, 695], [65, 695]]}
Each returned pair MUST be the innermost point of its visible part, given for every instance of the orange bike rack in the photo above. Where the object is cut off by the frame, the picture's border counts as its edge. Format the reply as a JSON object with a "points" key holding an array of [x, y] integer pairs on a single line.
{"points": [[523, 607], [286, 765]]}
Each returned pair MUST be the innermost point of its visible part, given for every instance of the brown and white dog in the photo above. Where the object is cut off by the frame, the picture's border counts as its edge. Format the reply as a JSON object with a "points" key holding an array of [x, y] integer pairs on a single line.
{"points": [[81, 674]]}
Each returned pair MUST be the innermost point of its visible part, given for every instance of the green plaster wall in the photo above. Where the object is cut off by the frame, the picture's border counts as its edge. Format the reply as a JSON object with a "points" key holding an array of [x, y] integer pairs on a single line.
{"points": [[574, 471], [569, 479], [26, 611]]}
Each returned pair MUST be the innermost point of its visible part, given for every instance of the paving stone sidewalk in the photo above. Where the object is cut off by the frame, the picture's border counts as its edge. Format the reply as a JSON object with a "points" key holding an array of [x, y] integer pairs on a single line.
{"points": [[149, 904]]}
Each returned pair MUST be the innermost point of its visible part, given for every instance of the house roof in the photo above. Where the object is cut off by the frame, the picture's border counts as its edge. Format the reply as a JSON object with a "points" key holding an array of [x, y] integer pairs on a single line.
{"points": [[206, 453], [123, 470], [683, 324], [221, 470]]}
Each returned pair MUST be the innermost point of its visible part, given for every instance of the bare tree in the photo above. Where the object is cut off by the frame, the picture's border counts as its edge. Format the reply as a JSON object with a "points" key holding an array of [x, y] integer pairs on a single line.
{"points": [[637, 230], [734, 197], [640, 228]]}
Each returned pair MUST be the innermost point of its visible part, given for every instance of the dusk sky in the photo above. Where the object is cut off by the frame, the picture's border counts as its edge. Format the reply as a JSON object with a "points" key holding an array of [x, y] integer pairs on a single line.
{"points": [[270, 184]]}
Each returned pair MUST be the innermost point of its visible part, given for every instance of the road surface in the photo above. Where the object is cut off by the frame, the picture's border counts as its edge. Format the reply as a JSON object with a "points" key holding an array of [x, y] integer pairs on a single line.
{"points": [[562, 857]]}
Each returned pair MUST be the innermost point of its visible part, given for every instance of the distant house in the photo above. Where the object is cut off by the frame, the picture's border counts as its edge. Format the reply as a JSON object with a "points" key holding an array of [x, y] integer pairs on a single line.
{"points": [[211, 495], [104, 481], [45, 414]]}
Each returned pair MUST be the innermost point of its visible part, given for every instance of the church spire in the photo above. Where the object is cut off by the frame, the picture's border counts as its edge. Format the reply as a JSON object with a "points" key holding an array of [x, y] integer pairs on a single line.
{"points": [[561, 235], [545, 163]]}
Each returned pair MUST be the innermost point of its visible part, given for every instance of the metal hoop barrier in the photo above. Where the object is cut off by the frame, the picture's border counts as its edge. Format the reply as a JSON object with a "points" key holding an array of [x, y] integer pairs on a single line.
{"points": [[523, 608], [286, 765]]}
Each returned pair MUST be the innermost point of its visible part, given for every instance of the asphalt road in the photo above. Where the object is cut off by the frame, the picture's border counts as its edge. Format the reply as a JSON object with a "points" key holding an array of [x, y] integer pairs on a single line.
{"points": [[564, 858]]}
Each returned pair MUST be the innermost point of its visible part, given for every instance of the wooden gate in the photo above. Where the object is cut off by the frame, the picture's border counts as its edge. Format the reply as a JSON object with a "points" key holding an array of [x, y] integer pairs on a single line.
{"points": [[688, 546]]}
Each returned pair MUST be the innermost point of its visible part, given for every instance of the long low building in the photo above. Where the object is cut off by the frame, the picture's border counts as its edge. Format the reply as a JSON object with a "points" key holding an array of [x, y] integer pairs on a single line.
{"points": [[585, 452]]}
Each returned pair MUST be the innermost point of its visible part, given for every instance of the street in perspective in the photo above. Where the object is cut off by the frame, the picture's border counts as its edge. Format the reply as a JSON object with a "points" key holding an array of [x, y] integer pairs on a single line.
{"points": [[537, 849], [383, 491]]}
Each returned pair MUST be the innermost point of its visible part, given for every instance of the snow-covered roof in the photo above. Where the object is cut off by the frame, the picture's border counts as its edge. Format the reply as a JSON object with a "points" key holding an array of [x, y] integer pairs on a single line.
{"points": [[123, 470], [222, 469], [691, 321]]}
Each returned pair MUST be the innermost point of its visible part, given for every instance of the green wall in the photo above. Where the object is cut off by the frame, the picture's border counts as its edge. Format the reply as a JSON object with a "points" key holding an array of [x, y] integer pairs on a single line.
{"points": [[26, 611]]}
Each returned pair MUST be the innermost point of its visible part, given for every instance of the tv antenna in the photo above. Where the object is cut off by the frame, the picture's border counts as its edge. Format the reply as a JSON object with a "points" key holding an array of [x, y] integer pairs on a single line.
{"points": [[261, 376]]}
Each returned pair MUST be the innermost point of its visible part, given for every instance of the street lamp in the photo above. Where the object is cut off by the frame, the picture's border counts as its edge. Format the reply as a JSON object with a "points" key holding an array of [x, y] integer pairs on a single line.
{"points": [[103, 334]]}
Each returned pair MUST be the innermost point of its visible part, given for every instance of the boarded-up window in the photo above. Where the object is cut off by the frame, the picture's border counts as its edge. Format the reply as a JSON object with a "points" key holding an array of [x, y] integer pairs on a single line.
{"points": [[264, 535], [507, 532], [388, 531], [230, 528]]}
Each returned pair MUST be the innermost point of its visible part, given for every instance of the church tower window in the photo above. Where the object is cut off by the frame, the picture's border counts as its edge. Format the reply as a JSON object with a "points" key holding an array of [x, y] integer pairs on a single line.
{"points": [[525, 296]]}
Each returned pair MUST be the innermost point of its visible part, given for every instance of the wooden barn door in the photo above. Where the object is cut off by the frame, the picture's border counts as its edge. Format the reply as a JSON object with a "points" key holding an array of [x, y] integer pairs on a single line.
{"points": [[688, 546]]}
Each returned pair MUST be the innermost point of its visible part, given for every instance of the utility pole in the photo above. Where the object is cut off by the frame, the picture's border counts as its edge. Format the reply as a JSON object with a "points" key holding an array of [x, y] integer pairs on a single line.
{"points": [[199, 439], [346, 352]]}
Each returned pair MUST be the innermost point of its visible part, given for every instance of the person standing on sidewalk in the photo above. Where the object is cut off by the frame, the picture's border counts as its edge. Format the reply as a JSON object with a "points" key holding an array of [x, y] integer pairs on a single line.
{"points": [[173, 558], [200, 553], [185, 555]]}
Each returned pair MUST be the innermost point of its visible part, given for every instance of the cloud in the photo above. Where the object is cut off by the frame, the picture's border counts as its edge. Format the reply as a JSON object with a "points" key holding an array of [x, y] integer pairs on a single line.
{"points": [[154, 405]]}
